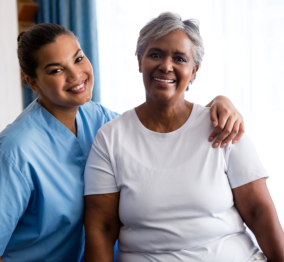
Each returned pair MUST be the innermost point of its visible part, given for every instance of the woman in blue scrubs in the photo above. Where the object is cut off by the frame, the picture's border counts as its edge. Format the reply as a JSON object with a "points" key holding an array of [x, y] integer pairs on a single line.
{"points": [[44, 151]]}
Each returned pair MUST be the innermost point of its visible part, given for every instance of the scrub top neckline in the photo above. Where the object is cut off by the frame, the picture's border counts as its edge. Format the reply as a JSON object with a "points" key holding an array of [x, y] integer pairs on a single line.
{"points": [[66, 135], [77, 118]]}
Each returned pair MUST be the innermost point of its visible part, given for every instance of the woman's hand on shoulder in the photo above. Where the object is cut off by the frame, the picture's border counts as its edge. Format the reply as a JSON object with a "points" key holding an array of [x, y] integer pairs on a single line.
{"points": [[227, 120]]}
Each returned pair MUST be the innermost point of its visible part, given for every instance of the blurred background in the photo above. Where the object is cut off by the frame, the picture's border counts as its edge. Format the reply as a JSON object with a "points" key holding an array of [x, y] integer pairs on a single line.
{"points": [[244, 60]]}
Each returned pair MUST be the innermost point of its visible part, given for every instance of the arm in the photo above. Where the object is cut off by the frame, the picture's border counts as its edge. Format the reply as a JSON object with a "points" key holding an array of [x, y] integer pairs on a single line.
{"points": [[102, 225], [14, 199], [226, 117], [255, 206]]}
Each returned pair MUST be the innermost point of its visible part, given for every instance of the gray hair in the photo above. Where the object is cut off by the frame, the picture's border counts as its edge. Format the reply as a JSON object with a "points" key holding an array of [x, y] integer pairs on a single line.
{"points": [[166, 23]]}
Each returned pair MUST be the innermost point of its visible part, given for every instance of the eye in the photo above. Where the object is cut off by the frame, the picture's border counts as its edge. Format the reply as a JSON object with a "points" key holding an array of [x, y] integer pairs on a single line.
{"points": [[58, 70], [79, 59], [180, 59], [155, 55]]}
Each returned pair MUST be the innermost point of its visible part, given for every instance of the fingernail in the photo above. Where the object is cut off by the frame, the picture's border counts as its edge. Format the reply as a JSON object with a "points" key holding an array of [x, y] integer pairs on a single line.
{"points": [[223, 145], [234, 142], [215, 144], [214, 123], [211, 138]]}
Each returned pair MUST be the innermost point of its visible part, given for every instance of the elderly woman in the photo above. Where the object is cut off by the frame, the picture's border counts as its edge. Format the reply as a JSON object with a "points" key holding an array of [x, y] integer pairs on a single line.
{"points": [[153, 182]]}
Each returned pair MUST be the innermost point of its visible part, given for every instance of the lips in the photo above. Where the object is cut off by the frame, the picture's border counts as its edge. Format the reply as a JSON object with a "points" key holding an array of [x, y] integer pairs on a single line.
{"points": [[78, 87], [164, 80]]}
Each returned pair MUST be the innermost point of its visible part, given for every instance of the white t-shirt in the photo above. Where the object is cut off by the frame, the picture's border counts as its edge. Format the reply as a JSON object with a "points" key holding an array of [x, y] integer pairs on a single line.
{"points": [[176, 202]]}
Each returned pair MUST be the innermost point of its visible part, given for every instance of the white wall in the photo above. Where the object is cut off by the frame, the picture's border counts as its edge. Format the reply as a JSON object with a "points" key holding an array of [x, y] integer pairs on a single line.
{"points": [[10, 88]]}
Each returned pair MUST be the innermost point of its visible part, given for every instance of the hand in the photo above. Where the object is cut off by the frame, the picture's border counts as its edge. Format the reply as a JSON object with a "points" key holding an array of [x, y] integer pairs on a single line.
{"points": [[226, 118]]}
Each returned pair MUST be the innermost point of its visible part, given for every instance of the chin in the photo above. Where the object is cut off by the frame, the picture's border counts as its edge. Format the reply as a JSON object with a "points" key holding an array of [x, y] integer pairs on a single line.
{"points": [[85, 99], [162, 96], [88, 99]]}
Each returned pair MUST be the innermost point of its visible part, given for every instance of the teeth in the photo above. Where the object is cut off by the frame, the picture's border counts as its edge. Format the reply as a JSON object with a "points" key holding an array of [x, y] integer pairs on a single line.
{"points": [[77, 87], [163, 80]]}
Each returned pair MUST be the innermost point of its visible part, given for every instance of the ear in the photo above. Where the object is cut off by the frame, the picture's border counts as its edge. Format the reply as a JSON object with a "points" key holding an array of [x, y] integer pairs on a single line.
{"points": [[194, 70], [33, 84], [139, 57]]}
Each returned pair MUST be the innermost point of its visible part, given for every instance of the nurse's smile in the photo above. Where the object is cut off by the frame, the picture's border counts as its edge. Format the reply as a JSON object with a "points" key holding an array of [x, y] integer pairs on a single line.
{"points": [[77, 89]]}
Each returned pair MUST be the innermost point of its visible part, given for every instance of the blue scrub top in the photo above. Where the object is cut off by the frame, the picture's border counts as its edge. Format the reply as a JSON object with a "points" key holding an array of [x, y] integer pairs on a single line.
{"points": [[42, 185]]}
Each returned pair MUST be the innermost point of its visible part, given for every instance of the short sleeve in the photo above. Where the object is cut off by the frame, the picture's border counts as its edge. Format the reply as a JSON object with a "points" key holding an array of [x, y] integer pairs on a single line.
{"points": [[14, 198], [99, 176], [243, 163]]}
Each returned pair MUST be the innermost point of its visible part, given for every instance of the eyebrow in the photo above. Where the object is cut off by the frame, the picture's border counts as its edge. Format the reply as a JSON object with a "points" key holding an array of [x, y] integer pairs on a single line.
{"points": [[57, 64], [181, 53], [155, 49], [160, 50]]}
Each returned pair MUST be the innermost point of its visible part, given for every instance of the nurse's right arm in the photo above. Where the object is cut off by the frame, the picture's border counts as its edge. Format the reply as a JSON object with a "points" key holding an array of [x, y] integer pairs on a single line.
{"points": [[101, 221], [14, 198]]}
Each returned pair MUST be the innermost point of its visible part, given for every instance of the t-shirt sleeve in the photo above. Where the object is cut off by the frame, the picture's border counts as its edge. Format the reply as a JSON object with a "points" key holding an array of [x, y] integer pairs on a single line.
{"points": [[243, 163], [99, 175], [14, 198]]}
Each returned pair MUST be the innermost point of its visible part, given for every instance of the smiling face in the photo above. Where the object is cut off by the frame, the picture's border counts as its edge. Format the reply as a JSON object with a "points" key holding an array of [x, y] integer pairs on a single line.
{"points": [[64, 74], [167, 67]]}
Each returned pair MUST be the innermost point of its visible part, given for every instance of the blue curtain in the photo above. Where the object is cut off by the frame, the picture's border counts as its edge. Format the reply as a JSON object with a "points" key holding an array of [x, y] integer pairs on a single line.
{"points": [[80, 17]]}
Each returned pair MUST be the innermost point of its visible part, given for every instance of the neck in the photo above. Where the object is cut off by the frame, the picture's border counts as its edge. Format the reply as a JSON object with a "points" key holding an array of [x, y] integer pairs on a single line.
{"points": [[164, 117], [66, 115]]}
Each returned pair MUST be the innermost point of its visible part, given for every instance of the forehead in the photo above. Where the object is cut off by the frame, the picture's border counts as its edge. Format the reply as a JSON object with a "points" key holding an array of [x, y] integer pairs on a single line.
{"points": [[175, 41], [63, 48]]}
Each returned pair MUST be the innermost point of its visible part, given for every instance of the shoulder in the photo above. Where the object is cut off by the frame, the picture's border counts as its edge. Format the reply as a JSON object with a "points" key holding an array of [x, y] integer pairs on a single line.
{"points": [[243, 163], [201, 112], [17, 140], [118, 124], [114, 132], [95, 110], [201, 123], [18, 132]]}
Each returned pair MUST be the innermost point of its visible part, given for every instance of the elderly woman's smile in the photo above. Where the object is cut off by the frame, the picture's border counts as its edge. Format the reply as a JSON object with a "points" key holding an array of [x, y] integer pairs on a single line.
{"points": [[167, 66]]}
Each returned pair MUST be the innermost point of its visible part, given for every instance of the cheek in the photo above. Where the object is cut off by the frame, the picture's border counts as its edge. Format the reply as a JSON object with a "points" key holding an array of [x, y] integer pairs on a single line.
{"points": [[147, 71], [89, 71], [148, 66], [185, 75], [53, 86], [87, 68]]}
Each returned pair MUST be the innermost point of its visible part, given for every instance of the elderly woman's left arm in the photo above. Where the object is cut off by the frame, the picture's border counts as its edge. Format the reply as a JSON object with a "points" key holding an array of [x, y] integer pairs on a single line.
{"points": [[255, 205], [226, 118]]}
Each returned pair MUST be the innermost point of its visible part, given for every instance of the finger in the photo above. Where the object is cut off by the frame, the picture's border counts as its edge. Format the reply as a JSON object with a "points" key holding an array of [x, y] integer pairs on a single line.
{"points": [[225, 133], [224, 117], [233, 134], [240, 133], [214, 115], [214, 133]]}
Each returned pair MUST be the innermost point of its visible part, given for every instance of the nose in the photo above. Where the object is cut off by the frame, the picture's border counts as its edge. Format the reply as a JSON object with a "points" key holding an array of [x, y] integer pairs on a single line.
{"points": [[166, 65], [73, 74]]}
